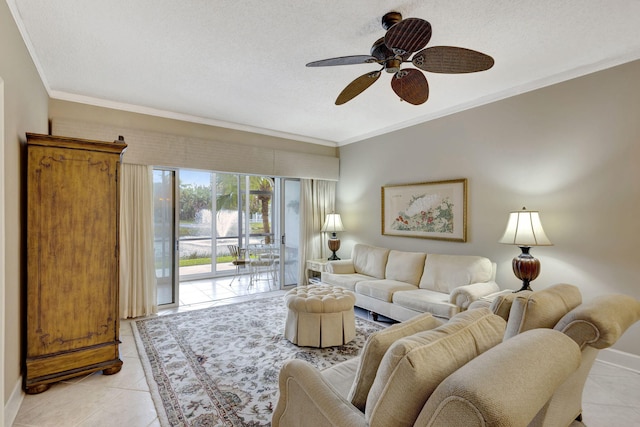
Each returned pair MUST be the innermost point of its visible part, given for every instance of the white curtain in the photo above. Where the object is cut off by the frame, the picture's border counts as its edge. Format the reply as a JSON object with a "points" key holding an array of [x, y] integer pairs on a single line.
{"points": [[317, 199], [137, 270]]}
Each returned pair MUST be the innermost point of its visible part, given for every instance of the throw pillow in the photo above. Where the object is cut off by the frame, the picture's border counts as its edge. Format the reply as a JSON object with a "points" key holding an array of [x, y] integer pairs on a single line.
{"points": [[374, 349], [414, 366]]}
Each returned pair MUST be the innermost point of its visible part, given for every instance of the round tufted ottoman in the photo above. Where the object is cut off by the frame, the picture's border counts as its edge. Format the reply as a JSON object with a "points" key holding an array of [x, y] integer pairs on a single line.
{"points": [[320, 316]]}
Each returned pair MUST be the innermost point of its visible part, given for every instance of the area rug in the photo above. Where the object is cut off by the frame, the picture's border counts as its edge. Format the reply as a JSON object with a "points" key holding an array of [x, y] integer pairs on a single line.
{"points": [[219, 366]]}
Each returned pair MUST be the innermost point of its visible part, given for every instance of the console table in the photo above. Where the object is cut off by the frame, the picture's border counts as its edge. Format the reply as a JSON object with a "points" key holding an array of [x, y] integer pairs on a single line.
{"points": [[314, 268]]}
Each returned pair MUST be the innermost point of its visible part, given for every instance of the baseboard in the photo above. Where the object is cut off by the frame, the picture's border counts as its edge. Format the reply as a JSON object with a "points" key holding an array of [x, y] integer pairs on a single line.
{"points": [[620, 358], [13, 404]]}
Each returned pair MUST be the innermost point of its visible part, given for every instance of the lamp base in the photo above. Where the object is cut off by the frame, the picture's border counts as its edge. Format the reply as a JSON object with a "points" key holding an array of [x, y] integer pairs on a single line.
{"points": [[334, 245], [526, 268], [525, 287]]}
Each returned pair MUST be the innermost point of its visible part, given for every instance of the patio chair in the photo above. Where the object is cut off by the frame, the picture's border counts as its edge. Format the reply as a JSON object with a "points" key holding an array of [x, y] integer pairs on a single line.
{"points": [[239, 259], [263, 263]]}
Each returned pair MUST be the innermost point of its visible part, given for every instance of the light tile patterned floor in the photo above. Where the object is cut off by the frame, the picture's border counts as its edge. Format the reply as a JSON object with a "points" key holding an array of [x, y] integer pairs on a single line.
{"points": [[611, 397]]}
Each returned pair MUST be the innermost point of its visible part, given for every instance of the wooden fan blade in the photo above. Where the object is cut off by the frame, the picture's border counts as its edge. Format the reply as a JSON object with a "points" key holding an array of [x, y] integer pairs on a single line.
{"points": [[357, 86], [411, 86], [343, 60], [452, 60], [408, 36]]}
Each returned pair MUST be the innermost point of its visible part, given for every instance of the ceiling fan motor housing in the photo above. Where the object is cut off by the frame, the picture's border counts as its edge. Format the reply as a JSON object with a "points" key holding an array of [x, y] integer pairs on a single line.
{"points": [[391, 18]]}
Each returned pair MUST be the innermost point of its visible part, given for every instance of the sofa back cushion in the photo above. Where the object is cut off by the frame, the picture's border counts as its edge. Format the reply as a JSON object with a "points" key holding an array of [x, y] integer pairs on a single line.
{"points": [[376, 346], [541, 309], [405, 266], [370, 260], [413, 366], [444, 273]]}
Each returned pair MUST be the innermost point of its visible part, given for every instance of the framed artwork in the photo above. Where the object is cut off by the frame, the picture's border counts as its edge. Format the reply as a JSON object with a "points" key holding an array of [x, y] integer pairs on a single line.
{"points": [[428, 210]]}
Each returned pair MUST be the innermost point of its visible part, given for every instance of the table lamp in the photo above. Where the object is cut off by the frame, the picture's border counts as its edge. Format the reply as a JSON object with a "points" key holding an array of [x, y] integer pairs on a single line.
{"points": [[525, 230], [333, 223]]}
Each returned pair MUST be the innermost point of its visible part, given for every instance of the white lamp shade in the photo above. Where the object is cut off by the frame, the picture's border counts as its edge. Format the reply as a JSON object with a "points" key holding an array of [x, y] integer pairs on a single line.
{"points": [[332, 223], [525, 229]]}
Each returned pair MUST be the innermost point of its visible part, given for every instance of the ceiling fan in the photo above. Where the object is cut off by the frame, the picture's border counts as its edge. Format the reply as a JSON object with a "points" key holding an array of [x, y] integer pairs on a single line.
{"points": [[403, 37]]}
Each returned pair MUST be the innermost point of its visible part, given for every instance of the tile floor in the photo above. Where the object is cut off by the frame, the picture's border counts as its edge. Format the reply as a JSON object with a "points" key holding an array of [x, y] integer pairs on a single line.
{"points": [[611, 397]]}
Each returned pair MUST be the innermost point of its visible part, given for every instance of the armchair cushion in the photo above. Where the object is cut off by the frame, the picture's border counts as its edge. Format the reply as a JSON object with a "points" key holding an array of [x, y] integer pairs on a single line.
{"points": [[541, 309], [374, 349], [414, 366], [308, 399]]}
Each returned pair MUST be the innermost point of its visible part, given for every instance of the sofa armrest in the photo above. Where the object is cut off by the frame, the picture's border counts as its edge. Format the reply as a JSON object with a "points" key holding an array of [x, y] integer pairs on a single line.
{"points": [[306, 398], [507, 385], [343, 266], [463, 296]]}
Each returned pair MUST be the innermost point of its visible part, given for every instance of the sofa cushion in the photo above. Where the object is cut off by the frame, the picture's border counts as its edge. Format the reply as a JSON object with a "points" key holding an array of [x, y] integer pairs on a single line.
{"points": [[405, 266], [370, 260], [374, 349], [347, 281], [382, 289], [413, 366], [541, 309], [423, 300], [444, 273]]}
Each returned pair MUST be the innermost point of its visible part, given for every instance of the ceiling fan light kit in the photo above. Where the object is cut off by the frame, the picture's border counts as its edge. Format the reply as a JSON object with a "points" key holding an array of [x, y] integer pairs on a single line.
{"points": [[402, 39]]}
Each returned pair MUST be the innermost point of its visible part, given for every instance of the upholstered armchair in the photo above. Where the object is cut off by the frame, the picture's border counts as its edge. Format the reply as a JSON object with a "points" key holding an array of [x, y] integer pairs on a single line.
{"points": [[593, 325], [418, 373]]}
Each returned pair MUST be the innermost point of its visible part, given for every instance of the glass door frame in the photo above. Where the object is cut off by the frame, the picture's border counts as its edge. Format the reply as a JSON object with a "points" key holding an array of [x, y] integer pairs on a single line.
{"points": [[174, 277], [286, 238]]}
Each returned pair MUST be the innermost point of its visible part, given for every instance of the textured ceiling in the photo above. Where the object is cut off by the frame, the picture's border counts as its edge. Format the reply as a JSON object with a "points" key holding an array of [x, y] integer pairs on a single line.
{"points": [[241, 64]]}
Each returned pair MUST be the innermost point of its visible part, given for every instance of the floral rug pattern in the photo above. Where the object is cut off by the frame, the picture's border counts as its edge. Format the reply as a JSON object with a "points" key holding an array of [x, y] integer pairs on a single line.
{"points": [[219, 366]]}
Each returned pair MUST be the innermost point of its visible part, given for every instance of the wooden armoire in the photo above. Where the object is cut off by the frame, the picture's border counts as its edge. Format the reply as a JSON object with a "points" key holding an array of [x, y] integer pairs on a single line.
{"points": [[72, 316]]}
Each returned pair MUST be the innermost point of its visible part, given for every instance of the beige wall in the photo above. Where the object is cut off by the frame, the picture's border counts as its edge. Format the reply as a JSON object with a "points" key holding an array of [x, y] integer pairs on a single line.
{"points": [[25, 110], [59, 109], [570, 151], [172, 143]]}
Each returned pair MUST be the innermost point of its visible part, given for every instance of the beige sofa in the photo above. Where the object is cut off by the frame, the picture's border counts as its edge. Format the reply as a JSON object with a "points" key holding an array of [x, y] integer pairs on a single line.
{"points": [[417, 374], [400, 285]]}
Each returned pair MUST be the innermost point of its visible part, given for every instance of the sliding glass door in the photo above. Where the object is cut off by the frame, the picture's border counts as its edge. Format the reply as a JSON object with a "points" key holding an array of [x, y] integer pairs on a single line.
{"points": [[200, 214], [195, 235], [165, 239], [290, 226]]}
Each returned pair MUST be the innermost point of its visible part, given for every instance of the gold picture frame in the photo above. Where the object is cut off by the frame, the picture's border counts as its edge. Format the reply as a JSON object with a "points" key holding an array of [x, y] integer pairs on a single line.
{"points": [[428, 210]]}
